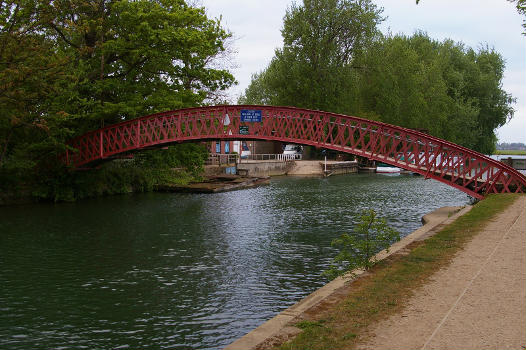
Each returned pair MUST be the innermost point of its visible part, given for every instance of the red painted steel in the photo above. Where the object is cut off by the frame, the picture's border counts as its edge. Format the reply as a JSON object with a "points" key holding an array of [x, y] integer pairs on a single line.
{"points": [[457, 166]]}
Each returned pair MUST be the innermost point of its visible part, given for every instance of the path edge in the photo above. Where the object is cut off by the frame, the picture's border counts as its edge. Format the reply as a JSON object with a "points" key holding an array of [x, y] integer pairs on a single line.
{"points": [[280, 328]]}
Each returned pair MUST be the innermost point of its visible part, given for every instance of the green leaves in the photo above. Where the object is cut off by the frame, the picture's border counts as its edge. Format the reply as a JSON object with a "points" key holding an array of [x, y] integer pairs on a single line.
{"points": [[67, 67], [357, 251], [444, 88], [314, 68]]}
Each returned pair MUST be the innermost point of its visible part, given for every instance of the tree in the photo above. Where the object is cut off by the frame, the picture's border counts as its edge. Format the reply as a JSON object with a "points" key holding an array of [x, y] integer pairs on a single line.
{"points": [[67, 67], [30, 76], [321, 39], [445, 88], [357, 251], [131, 58], [449, 90]]}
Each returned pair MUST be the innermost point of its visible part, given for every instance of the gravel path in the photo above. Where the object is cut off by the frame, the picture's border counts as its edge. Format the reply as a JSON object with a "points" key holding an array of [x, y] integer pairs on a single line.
{"points": [[477, 302]]}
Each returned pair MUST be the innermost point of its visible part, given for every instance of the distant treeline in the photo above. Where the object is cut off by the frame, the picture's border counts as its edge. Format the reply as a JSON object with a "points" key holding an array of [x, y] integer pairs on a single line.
{"points": [[511, 146]]}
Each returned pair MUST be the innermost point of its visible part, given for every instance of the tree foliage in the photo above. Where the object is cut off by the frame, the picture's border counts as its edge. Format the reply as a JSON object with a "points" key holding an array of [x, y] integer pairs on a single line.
{"points": [[321, 38], [450, 90], [67, 67], [131, 58], [357, 251]]}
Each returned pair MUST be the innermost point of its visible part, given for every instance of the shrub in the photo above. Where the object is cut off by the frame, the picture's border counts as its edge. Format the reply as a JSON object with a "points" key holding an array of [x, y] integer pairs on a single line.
{"points": [[357, 251]]}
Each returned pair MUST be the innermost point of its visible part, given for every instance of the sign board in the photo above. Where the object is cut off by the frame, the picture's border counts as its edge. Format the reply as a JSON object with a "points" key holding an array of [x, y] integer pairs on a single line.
{"points": [[251, 115], [243, 129]]}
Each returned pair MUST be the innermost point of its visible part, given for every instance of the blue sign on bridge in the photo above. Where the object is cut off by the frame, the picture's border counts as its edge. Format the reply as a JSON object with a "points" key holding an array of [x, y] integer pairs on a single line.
{"points": [[251, 115]]}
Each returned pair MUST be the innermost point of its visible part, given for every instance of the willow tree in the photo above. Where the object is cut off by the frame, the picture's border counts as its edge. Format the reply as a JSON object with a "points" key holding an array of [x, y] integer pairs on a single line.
{"points": [[314, 69], [450, 90]]}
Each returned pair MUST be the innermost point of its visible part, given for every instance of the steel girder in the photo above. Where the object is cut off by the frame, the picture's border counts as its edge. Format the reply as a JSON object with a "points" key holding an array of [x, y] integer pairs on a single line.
{"points": [[457, 166]]}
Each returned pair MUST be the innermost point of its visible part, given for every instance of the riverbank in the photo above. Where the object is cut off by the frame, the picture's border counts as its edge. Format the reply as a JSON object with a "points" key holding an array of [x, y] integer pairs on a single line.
{"points": [[301, 168], [216, 184], [230, 260], [344, 317], [113, 178], [477, 302], [511, 152]]}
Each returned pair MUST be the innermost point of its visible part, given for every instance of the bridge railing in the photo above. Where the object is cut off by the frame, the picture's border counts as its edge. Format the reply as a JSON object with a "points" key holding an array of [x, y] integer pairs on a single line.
{"points": [[278, 157], [219, 159], [467, 170]]}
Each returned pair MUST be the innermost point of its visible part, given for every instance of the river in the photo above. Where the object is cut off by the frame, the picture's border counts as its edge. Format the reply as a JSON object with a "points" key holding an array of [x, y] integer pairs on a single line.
{"points": [[183, 271]]}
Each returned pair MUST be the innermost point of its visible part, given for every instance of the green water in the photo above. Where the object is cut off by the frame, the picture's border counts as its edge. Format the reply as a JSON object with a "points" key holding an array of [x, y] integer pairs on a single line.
{"points": [[183, 271]]}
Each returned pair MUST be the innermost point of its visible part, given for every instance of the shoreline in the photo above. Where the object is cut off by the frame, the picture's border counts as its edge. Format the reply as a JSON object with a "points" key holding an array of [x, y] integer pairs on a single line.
{"points": [[281, 327], [216, 184], [211, 184]]}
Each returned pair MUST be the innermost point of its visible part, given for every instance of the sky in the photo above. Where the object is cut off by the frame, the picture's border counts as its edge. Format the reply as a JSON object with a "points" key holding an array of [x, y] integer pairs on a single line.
{"points": [[256, 28]]}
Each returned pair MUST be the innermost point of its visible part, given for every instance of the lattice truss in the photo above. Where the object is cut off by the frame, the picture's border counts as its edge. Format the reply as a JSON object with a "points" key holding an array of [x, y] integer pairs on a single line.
{"points": [[462, 168]]}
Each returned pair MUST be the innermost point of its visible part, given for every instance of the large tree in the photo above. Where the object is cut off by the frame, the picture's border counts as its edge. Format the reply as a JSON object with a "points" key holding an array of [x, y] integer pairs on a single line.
{"points": [[71, 66], [314, 68], [450, 90], [130, 58], [444, 88], [30, 75]]}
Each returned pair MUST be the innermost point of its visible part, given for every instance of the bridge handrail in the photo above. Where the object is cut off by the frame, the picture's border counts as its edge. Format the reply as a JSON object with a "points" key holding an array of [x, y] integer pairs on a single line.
{"points": [[221, 159], [272, 156], [358, 119], [211, 117]]}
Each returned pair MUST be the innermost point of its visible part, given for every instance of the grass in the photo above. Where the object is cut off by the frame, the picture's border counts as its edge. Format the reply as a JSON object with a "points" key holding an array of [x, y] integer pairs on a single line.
{"points": [[511, 152], [391, 283]]}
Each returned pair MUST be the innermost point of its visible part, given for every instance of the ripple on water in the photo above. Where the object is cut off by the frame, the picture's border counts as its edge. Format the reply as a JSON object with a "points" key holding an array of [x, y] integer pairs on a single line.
{"points": [[183, 271]]}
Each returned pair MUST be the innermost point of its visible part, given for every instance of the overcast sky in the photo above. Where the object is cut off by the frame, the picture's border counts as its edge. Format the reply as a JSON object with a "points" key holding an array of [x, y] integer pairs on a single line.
{"points": [[256, 26]]}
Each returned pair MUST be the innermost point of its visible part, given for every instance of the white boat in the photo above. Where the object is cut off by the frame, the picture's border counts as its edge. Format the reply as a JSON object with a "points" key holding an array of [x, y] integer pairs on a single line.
{"points": [[383, 168]]}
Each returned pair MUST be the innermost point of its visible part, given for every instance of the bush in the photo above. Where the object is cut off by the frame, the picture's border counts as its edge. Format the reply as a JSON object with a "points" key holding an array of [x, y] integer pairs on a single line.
{"points": [[357, 251]]}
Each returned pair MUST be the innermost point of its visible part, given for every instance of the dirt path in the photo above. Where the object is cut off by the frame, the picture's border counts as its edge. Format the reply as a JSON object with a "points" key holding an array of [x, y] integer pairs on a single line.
{"points": [[477, 302]]}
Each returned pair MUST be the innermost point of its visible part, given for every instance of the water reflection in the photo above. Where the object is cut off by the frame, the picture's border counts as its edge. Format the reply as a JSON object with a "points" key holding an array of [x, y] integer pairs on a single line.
{"points": [[183, 271]]}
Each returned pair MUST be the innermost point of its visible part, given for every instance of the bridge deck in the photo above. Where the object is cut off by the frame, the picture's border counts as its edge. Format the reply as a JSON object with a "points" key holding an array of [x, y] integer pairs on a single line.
{"points": [[465, 169]]}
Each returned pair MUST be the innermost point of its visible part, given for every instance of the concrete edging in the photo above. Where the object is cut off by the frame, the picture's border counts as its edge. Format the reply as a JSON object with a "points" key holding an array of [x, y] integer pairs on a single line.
{"points": [[281, 326]]}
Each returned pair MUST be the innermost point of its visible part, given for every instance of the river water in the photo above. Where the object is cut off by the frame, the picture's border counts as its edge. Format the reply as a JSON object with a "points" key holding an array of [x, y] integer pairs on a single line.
{"points": [[183, 271]]}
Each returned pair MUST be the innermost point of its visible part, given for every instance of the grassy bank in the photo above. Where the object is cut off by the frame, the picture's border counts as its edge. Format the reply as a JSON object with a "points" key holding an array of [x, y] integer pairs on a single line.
{"points": [[173, 165], [511, 152], [392, 282], [118, 177]]}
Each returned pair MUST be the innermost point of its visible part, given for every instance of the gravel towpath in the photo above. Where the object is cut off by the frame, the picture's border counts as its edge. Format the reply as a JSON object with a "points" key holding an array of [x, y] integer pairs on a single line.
{"points": [[477, 302]]}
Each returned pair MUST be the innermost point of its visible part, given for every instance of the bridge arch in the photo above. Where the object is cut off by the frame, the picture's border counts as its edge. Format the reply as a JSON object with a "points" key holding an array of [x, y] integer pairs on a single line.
{"points": [[454, 165]]}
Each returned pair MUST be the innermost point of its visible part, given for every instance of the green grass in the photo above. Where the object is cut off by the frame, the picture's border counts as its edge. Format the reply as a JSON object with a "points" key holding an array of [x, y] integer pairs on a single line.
{"points": [[390, 285], [511, 152]]}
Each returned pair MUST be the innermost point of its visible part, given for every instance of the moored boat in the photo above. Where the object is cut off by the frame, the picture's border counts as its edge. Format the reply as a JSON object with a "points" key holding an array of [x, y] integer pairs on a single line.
{"points": [[383, 168]]}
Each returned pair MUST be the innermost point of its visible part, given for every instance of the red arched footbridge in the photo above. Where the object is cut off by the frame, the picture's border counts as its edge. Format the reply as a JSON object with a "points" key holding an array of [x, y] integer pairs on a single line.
{"points": [[457, 166]]}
